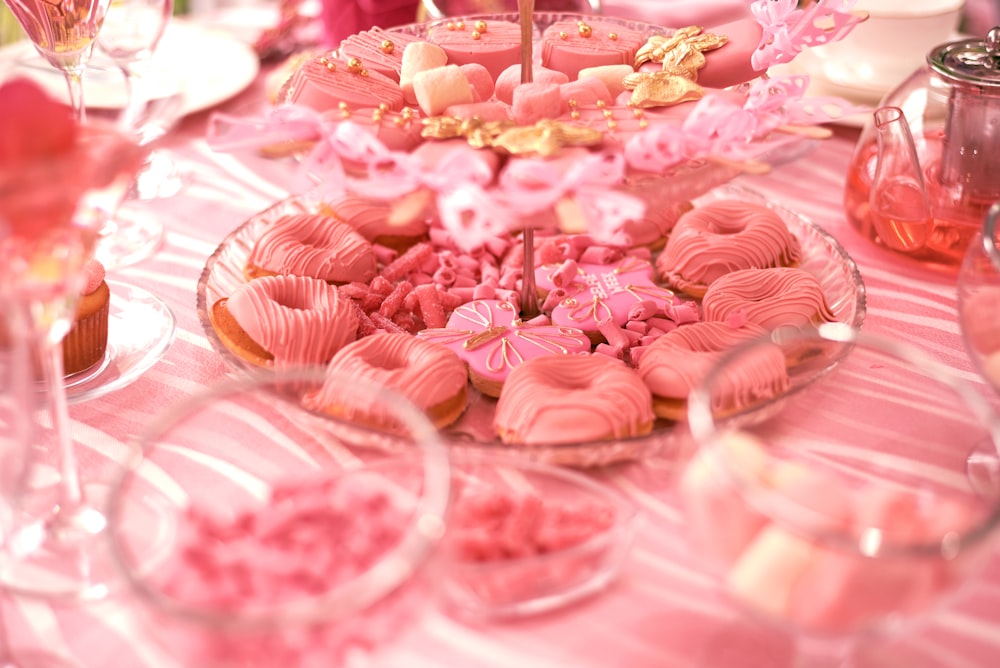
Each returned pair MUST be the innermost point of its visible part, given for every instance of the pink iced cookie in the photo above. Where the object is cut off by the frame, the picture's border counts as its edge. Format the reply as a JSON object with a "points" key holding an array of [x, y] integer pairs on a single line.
{"points": [[326, 83], [493, 340], [495, 45], [570, 46], [378, 50], [597, 293], [437, 89], [536, 101], [510, 79]]}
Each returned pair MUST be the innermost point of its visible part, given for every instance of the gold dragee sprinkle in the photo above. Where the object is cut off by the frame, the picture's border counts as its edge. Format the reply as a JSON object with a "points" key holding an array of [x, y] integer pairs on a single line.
{"points": [[354, 66], [480, 26], [330, 65], [388, 47], [613, 36], [383, 107], [585, 30], [563, 36], [476, 34], [460, 25], [450, 25]]}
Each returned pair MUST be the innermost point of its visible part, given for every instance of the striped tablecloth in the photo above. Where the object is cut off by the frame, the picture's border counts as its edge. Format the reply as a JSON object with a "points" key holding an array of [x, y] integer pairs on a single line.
{"points": [[663, 611]]}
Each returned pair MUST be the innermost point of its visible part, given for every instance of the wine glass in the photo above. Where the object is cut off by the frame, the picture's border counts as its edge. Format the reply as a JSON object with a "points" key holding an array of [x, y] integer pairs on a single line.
{"points": [[279, 531], [153, 102], [64, 33], [56, 189], [843, 507]]}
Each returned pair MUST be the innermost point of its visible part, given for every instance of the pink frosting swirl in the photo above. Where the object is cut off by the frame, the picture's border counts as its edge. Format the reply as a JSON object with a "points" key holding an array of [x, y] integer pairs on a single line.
{"points": [[95, 274]]}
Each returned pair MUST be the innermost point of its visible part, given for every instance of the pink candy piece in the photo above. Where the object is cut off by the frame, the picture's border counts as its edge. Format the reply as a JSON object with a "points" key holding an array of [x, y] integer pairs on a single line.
{"points": [[534, 102], [510, 79], [480, 79]]}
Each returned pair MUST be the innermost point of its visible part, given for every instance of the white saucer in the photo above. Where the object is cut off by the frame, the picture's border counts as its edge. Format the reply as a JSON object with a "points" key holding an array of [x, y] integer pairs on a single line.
{"points": [[140, 330], [212, 66]]}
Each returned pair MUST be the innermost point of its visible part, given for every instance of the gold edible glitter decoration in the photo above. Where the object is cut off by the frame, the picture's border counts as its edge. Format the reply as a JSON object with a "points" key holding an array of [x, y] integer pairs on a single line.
{"points": [[585, 30], [345, 111], [480, 26], [546, 138], [683, 53], [387, 47], [660, 89]]}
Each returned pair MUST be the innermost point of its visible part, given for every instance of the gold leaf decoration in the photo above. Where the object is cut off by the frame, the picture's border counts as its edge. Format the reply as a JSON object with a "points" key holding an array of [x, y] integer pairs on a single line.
{"points": [[546, 138], [681, 54], [660, 89], [479, 133]]}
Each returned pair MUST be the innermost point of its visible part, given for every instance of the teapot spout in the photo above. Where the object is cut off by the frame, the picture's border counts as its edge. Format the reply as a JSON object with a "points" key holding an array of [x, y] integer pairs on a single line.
{"points": [[900, 205]]}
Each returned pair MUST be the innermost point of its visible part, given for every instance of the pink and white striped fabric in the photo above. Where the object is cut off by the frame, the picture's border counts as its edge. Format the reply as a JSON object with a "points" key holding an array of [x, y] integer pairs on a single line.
{"points": [[664, 611]]}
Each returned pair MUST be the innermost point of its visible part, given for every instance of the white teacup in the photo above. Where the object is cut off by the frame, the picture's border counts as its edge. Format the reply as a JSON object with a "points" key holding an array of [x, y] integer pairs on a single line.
{"points": [[890, 45]]}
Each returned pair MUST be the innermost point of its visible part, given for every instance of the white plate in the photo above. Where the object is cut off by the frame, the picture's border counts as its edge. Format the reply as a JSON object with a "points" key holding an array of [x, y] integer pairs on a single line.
{"points": [[211, 65]]}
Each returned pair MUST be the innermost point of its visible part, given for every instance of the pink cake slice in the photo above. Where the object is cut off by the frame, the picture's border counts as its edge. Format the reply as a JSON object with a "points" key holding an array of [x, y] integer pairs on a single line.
{"points": [[570, 46], [378, 50], [495, 45]]}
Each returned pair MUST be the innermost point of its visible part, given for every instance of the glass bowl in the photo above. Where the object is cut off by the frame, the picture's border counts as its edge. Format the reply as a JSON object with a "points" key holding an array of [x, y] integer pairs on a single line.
{"points": [[979, 299], [525, 537], [846, 505], [279, 543]]}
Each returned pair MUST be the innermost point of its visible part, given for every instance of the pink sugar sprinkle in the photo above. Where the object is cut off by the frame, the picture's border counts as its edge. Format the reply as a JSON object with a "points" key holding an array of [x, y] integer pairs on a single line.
{"points": [[383, 254], [484, 291], [394, 300], [600, 255], [683, 313], [465, 281], [640, 253], [354, 290], [509, 278], [638, 326], [614, 335], [408, 321], [421, 278], [567, 274], [382, 285], [489, 272], [610, 351], [540, 320], [451, 299], [512, 297], [445, 276], [643, 310], [497, 246], [465, 294], [553, 299], [385, 324], [653, 335], [551, 252], [635, 354], [408, 261], [431, 308], [661, 324]]}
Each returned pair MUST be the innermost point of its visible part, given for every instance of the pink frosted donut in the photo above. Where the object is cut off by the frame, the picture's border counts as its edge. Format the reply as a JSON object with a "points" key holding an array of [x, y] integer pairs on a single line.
{"points": [[723, 236], [493, 341], [770, 298], [676, 362], [285, 321], [572, 399], [431, 376], [371, 219], [307, 244], [570, 46], [496, 45]]}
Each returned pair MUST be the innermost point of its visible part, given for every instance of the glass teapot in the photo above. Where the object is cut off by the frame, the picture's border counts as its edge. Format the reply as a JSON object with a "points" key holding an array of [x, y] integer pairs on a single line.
{"points": [[927, 164]]}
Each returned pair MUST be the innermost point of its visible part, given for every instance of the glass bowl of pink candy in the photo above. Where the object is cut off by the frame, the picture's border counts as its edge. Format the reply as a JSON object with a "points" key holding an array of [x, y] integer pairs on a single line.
{"points": [[279, 543], [849, 505], [525, 537]]}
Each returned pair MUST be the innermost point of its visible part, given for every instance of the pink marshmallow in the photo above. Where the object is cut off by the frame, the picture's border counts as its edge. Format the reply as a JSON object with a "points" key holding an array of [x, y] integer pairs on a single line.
{"points": [[510, 79], [418, 57], [480, 79], [441, 87], [611, 76], [766, 573], [534, 102]]}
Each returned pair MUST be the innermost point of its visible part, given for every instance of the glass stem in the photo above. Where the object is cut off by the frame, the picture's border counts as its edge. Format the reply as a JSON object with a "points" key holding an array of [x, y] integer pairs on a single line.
{"points": [[74, 84], [70, 495]]}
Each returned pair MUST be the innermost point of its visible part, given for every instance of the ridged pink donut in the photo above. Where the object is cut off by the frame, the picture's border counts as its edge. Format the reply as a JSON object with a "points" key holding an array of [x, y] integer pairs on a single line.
{"points": [[676, 362], [768, 297], [572, 399], [314, 245], [724, 236], [289, 319], [429, 375]]}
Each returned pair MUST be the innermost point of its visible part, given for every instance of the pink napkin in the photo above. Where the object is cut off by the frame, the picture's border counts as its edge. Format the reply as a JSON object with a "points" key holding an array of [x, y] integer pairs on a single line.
{"points": [[342, 18]]}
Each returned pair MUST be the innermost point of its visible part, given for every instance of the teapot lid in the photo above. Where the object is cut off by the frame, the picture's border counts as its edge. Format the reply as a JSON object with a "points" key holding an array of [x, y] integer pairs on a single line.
{"points": [[973, 61]]}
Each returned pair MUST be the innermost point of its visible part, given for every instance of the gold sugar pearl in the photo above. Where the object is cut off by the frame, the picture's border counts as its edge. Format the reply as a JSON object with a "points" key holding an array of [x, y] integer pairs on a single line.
{"points": [[460, 25], [388, 47], [377, 115], [575, 115], [585, 30], [450, 25], [612, 125], [330, 65], [480, 26], [476, 34], [608, 113], [572, 103], [643, 124], [354, 66], [600, 104], [563, 36], [383, 107], [613, 36], [345, 111], [407, 113]]}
